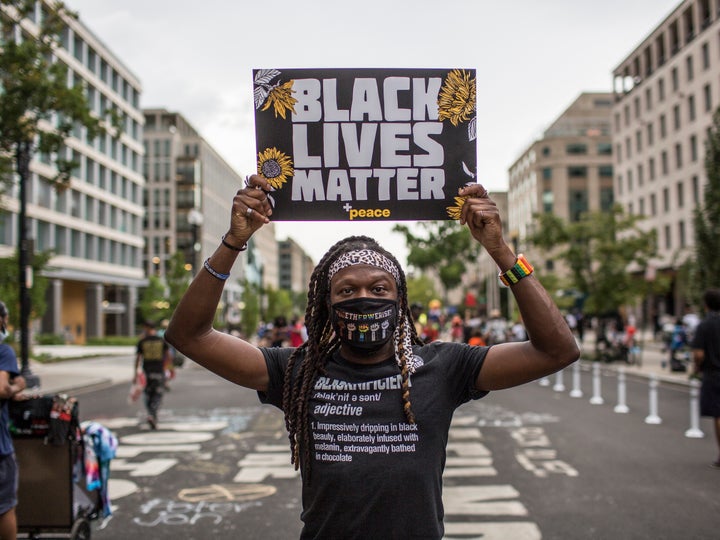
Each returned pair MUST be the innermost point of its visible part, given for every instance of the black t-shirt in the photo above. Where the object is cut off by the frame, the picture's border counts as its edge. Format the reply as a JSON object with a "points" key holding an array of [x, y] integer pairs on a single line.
{"points": [[707, 338], [373, 474], [152, 349]]}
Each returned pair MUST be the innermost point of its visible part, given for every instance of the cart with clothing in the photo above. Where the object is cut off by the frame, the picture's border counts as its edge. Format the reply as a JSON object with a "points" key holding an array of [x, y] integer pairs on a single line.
{"points": [[63, 470]]}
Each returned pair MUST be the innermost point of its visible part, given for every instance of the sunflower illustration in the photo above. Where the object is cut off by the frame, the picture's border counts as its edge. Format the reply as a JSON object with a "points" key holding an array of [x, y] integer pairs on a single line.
{"points": [[455, 211], [456, 100], [278, 95], [275, 166]]}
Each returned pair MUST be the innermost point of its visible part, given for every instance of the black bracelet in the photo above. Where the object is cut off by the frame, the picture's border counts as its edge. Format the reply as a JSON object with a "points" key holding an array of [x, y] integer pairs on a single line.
{"points": [[230, 246]]}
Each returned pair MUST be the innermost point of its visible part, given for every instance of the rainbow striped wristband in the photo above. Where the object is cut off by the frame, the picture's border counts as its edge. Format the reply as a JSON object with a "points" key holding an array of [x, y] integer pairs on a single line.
{"points": [[522, 268]]}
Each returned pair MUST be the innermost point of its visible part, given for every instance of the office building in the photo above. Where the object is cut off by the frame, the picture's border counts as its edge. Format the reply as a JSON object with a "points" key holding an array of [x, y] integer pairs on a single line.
{"points": [[189, 195], [94, 227], [566, 172], [666, 91]]}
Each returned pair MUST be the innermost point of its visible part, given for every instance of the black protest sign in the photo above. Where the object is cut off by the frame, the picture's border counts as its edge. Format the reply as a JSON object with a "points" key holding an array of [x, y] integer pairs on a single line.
{"points": [[365, 144]]}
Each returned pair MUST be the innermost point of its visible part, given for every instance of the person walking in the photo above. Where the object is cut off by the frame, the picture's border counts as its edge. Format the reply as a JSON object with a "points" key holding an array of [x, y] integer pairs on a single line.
{"points": [[11, 384], [706, 360], [367, 404], [153, 354]]}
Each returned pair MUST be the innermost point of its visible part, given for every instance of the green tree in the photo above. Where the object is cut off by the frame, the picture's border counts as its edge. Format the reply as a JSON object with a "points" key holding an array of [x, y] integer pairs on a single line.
{"points": [[421, 289], [160, 298], [38, 108], [705, 266], [251, 309], [9, 290], [599, 251], [177, 279], [279, 303], [443, 246], [153, 304]]}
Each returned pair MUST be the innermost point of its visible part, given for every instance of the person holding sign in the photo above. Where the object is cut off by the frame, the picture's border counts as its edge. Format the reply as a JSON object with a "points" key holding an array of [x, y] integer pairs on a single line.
{"points": [[367, 405]]}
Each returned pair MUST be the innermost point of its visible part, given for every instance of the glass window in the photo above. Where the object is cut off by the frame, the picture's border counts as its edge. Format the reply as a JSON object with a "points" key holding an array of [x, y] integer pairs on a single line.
{"points": [[653, 204], [606, 199], [680, 189], [661, 89], [650, 134], [691, 108], [678, 156], [604, 149], [681, 233], [668, 239], [705, 56], [578, 203], [605, 171], [689, 68], [676, 117], [547, 173], [693, 148], [663, 127], [577, 171], [707, 97], [548, 198], [666, 200], [674, 79], [576, 148], [651, 169]]}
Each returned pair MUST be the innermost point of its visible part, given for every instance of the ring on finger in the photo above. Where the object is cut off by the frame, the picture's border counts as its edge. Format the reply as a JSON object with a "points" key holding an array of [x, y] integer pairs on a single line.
{"points": [[248, 212]]}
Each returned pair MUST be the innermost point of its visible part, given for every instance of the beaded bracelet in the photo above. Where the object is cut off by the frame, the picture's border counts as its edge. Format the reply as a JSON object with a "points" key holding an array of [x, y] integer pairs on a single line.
{"points": [[213, 272], [230, 246]]}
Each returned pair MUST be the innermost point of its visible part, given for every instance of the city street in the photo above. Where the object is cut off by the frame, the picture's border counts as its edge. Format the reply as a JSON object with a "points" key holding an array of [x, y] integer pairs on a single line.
{"points": [[530, 463]]}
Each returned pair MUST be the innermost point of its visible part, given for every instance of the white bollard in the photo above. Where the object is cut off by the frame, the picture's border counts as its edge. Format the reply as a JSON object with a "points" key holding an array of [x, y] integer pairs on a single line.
{"points": [[545, 381], [621, 406], [596, 398], [653, 417], [694, 432], [559, 385], [576, 390]]}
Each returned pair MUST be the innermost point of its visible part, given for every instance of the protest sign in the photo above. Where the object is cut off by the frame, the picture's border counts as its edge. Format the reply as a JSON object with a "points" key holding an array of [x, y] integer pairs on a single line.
{"points": [[365, 144]]}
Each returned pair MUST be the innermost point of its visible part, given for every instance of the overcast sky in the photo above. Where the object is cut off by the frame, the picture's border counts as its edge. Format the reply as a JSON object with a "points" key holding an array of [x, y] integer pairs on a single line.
{"points": [[532, 58]]}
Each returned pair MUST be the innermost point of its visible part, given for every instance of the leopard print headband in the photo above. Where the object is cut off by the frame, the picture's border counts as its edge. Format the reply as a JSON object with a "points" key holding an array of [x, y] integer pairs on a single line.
{"points": [[364, 256]]}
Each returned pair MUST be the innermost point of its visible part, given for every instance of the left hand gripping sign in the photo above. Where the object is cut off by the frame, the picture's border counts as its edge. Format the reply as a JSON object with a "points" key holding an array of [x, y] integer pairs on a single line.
{"points": [[365, 144]]}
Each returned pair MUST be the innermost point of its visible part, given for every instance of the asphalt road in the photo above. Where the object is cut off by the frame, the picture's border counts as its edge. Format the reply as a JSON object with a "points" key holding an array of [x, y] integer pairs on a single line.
{"points": [[525, 463]]}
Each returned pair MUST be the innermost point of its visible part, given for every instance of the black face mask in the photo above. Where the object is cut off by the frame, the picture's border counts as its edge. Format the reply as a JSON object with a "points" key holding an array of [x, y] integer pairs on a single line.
{"points": [[364, 324]]}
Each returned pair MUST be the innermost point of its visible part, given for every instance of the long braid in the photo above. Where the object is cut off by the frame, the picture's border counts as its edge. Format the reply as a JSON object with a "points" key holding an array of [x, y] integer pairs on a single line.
{"points": [[322, 343]]}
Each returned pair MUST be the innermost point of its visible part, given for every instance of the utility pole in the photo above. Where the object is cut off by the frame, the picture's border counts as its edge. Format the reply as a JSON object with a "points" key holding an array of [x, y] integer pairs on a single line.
{"points": [[24, 151]]}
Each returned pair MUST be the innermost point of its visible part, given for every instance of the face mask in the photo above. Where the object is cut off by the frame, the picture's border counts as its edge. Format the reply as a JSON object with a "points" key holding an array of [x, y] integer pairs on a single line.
{"points": [[364, 324]]}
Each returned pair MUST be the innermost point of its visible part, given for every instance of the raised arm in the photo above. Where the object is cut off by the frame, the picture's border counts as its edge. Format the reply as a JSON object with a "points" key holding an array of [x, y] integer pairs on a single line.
{"points": [[551, 346], [190, 330]]}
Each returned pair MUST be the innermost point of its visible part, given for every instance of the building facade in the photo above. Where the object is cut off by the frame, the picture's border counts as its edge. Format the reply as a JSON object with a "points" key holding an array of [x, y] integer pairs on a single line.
{"points": [[94, 227], [666, 91], [567, 172], [189, 195]]}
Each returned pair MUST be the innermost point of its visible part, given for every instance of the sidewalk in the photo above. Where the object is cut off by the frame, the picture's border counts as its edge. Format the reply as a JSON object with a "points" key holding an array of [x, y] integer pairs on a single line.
{"points": [[82, 367], [86, 367]]}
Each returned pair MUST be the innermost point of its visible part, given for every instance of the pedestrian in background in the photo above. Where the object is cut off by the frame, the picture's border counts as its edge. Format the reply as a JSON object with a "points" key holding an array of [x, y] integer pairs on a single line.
{"points": [[362, 344], [153, 353], [11, 384], [706, 359]]}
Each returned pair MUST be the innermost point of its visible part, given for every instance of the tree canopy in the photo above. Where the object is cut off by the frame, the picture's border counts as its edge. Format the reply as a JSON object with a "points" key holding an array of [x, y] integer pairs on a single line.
{"points": [[444, 247], [39, 108], [706, 219], [600, 251]]}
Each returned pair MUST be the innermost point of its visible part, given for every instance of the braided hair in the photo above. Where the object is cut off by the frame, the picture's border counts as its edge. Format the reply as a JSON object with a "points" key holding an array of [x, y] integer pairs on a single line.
{"points": [[322, 342]]}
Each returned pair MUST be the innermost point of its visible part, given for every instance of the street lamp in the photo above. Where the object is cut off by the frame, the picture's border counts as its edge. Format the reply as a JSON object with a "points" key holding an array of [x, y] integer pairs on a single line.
{"points": [[195, 219], [24, 152]]}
